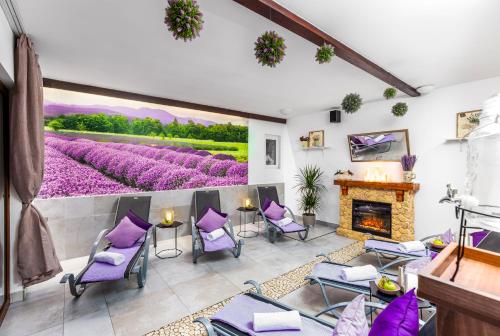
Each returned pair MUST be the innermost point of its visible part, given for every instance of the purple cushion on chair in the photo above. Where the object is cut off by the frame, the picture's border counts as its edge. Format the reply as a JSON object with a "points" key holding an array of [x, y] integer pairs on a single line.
{"points": [[138, 220], [400, 318], [267, 203], [125, 234], [212, 220], [274, 211], [353, 321]]}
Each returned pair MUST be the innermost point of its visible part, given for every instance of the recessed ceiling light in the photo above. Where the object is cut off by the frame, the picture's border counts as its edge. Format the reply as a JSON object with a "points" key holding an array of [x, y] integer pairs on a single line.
{"points": [[424, 89], [286, 111]]}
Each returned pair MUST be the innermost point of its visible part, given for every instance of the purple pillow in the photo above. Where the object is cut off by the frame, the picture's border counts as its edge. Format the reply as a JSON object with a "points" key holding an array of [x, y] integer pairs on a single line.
{"points": [[274, 211], [211, 220], [400, 318], [138, 220], [267, 203], [353, 319], [125, 234]]}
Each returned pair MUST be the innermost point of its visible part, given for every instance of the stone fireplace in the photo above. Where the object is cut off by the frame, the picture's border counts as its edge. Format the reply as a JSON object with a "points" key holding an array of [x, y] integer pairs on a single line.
{"points": [[383, 209]]}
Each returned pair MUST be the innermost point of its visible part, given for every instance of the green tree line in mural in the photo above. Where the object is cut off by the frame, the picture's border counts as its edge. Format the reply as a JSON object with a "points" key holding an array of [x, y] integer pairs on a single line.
{"points": [[148, 126]]}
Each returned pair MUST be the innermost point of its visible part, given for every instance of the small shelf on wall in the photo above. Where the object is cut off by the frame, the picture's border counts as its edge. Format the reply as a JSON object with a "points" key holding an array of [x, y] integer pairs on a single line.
{"points": [[452, 140], [314, 148]]}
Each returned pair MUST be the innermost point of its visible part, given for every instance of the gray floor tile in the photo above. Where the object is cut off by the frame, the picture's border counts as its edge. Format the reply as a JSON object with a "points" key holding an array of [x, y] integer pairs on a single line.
{"points": [[96, 323]]}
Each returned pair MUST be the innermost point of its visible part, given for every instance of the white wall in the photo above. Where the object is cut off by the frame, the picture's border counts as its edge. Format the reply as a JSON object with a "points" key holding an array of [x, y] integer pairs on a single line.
{"points": [[257, 171], [6, 51], [430, 120]]}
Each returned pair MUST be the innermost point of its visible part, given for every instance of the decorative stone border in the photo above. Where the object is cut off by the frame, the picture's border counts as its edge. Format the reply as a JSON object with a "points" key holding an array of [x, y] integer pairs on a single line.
{"points": [[275, 288]]}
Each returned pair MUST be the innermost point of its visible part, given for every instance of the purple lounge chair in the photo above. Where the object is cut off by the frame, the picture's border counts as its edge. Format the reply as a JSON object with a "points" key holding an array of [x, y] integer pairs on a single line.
{"points": [[136, 256], [361, 144], [203, 200], [236, 318], [266, 195]]}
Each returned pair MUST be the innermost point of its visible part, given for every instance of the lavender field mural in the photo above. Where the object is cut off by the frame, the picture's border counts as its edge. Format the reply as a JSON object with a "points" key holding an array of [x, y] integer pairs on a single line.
{"points": [[105, 145]]}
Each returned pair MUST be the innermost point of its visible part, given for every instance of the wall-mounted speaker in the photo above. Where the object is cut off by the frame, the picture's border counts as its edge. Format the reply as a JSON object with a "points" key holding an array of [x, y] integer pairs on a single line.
{"points": [[335, 116]]}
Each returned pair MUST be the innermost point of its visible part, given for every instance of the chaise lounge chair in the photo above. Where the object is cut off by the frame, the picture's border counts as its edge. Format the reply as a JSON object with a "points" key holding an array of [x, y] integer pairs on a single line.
{"points": [[235, 319], [265, 196], [203, 200], [136, 257]]}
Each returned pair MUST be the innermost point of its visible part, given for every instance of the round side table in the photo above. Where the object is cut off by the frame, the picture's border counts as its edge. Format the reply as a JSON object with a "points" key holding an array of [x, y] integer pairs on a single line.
{"points": [[177, 252], [244, 233]]}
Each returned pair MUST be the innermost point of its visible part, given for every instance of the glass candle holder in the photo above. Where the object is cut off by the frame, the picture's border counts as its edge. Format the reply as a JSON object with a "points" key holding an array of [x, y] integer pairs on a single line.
{"points": [[169, 217]]}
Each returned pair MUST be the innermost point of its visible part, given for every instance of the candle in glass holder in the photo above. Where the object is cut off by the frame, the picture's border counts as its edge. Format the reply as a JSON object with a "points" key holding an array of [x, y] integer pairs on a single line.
{"points": [[248, 203], [169, 216]]}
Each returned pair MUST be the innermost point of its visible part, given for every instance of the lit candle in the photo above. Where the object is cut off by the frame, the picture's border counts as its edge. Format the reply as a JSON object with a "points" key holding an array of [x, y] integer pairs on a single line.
{"points": [[248, 204], [169, 216]]}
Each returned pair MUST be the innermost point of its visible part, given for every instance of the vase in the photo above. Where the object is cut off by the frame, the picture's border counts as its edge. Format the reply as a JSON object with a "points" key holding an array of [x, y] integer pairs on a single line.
{"points": [[408, 176]]}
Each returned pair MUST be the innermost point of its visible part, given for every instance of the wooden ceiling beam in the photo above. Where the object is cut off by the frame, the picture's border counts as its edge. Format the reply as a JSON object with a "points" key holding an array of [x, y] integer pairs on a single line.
{"points": [[290, 21]]}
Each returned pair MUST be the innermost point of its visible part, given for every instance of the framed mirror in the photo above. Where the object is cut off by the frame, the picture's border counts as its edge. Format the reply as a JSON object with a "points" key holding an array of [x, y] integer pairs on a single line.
{"points": [[379, 146]]}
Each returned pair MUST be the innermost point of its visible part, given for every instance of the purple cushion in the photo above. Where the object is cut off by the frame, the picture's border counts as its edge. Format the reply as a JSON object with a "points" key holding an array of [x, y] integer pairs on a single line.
{"points": [[138, 220], [478, 236], [211, 220], [267, 203], [353, 321], [274, 211], [400, 318], [125, 234]]}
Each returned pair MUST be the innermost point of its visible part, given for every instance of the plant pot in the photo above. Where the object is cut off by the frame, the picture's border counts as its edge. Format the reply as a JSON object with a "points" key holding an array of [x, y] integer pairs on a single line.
{"points": [[305, 144], [408, 176], [308, 219]]}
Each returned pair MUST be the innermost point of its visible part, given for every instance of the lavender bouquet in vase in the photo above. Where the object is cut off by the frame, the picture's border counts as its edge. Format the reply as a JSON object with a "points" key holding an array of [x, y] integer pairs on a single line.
{"points": [[408, 162]]}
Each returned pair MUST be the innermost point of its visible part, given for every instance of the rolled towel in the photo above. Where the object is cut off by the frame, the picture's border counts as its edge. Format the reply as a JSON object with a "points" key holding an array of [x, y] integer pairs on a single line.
{"points": [[359, 273], [111, 258], [284, 221], [216, 234], [279, 321], [411, 246]]}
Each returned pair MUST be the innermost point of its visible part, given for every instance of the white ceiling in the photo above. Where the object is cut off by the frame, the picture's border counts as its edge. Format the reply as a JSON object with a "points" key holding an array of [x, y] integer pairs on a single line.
{"points": [[125, 45]]}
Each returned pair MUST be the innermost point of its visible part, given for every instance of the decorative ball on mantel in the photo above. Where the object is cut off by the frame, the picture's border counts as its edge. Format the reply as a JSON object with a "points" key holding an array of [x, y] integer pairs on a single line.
{"points": [[352, 103], [324, 54], [270, 49], [400, 109], [390, 93], [184, 19]]}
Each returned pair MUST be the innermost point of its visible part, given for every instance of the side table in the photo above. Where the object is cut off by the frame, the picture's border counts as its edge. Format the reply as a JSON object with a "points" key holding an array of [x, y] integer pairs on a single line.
{"points": [[177, 252], [422, 304], [244, 233]]}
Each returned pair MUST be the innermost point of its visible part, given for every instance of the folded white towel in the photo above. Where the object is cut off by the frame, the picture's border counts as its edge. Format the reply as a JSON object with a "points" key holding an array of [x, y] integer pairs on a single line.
{"points": [[111, 258], [284, 221], [216, 234], [289, 320], [359, 273], [411, 246]]}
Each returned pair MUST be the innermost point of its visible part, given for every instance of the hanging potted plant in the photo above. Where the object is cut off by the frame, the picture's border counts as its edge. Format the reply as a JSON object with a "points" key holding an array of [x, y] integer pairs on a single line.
{"points": [[352, 102], [270, 49], [325, 53], [310, 186], [399, 109], [184, 19]]}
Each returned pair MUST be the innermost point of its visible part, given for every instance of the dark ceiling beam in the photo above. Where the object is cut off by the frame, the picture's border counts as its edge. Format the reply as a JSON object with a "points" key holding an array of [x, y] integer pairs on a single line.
{"points": [[288, 20], [57, 84]]}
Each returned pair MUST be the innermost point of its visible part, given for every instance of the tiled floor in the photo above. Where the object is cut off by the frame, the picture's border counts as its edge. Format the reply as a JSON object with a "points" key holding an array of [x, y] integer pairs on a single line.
{"points": [[174, 288]]}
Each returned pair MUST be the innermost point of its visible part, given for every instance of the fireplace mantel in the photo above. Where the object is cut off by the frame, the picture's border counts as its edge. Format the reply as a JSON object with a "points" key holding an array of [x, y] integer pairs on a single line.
{"points": [[398, 187]]}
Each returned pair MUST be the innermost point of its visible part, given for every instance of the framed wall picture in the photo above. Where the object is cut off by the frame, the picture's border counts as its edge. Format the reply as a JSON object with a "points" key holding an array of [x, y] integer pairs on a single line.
{"points": [[466, 122], [273, 152], [379, 146], [317, 138]]}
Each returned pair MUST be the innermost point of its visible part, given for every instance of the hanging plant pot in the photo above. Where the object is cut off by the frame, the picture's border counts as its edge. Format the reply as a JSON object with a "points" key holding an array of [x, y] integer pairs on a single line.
{"points": [[324, 54], [400, 109], [390, 93], [352, 102], [184, 19], [270, 49]]}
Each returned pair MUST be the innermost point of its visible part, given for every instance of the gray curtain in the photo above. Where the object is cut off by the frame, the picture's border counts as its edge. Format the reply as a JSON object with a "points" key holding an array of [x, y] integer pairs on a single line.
{"points": [[36, 256]]}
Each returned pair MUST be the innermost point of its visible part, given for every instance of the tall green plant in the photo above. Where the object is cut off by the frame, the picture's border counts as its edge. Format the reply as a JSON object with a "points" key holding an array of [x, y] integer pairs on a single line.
{"points": [[310, 185]]}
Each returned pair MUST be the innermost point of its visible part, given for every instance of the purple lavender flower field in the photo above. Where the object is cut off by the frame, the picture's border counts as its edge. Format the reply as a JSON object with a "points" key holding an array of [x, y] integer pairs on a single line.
{"points": [[75, 167]]}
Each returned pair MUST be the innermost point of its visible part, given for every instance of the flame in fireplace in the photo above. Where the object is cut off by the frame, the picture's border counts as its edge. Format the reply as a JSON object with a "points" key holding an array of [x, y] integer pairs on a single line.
{"points": [[373, 223], [376, 174]]}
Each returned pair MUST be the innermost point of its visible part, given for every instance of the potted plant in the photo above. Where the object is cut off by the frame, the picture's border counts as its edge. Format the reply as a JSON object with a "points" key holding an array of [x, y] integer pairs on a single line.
{"points": [[304, 141], [343, 174], [309, 185], [407, 163]]}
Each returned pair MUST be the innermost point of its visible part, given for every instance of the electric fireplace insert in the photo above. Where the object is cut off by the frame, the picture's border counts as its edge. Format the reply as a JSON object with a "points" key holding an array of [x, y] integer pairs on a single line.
{"points": [[372, 217]]}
